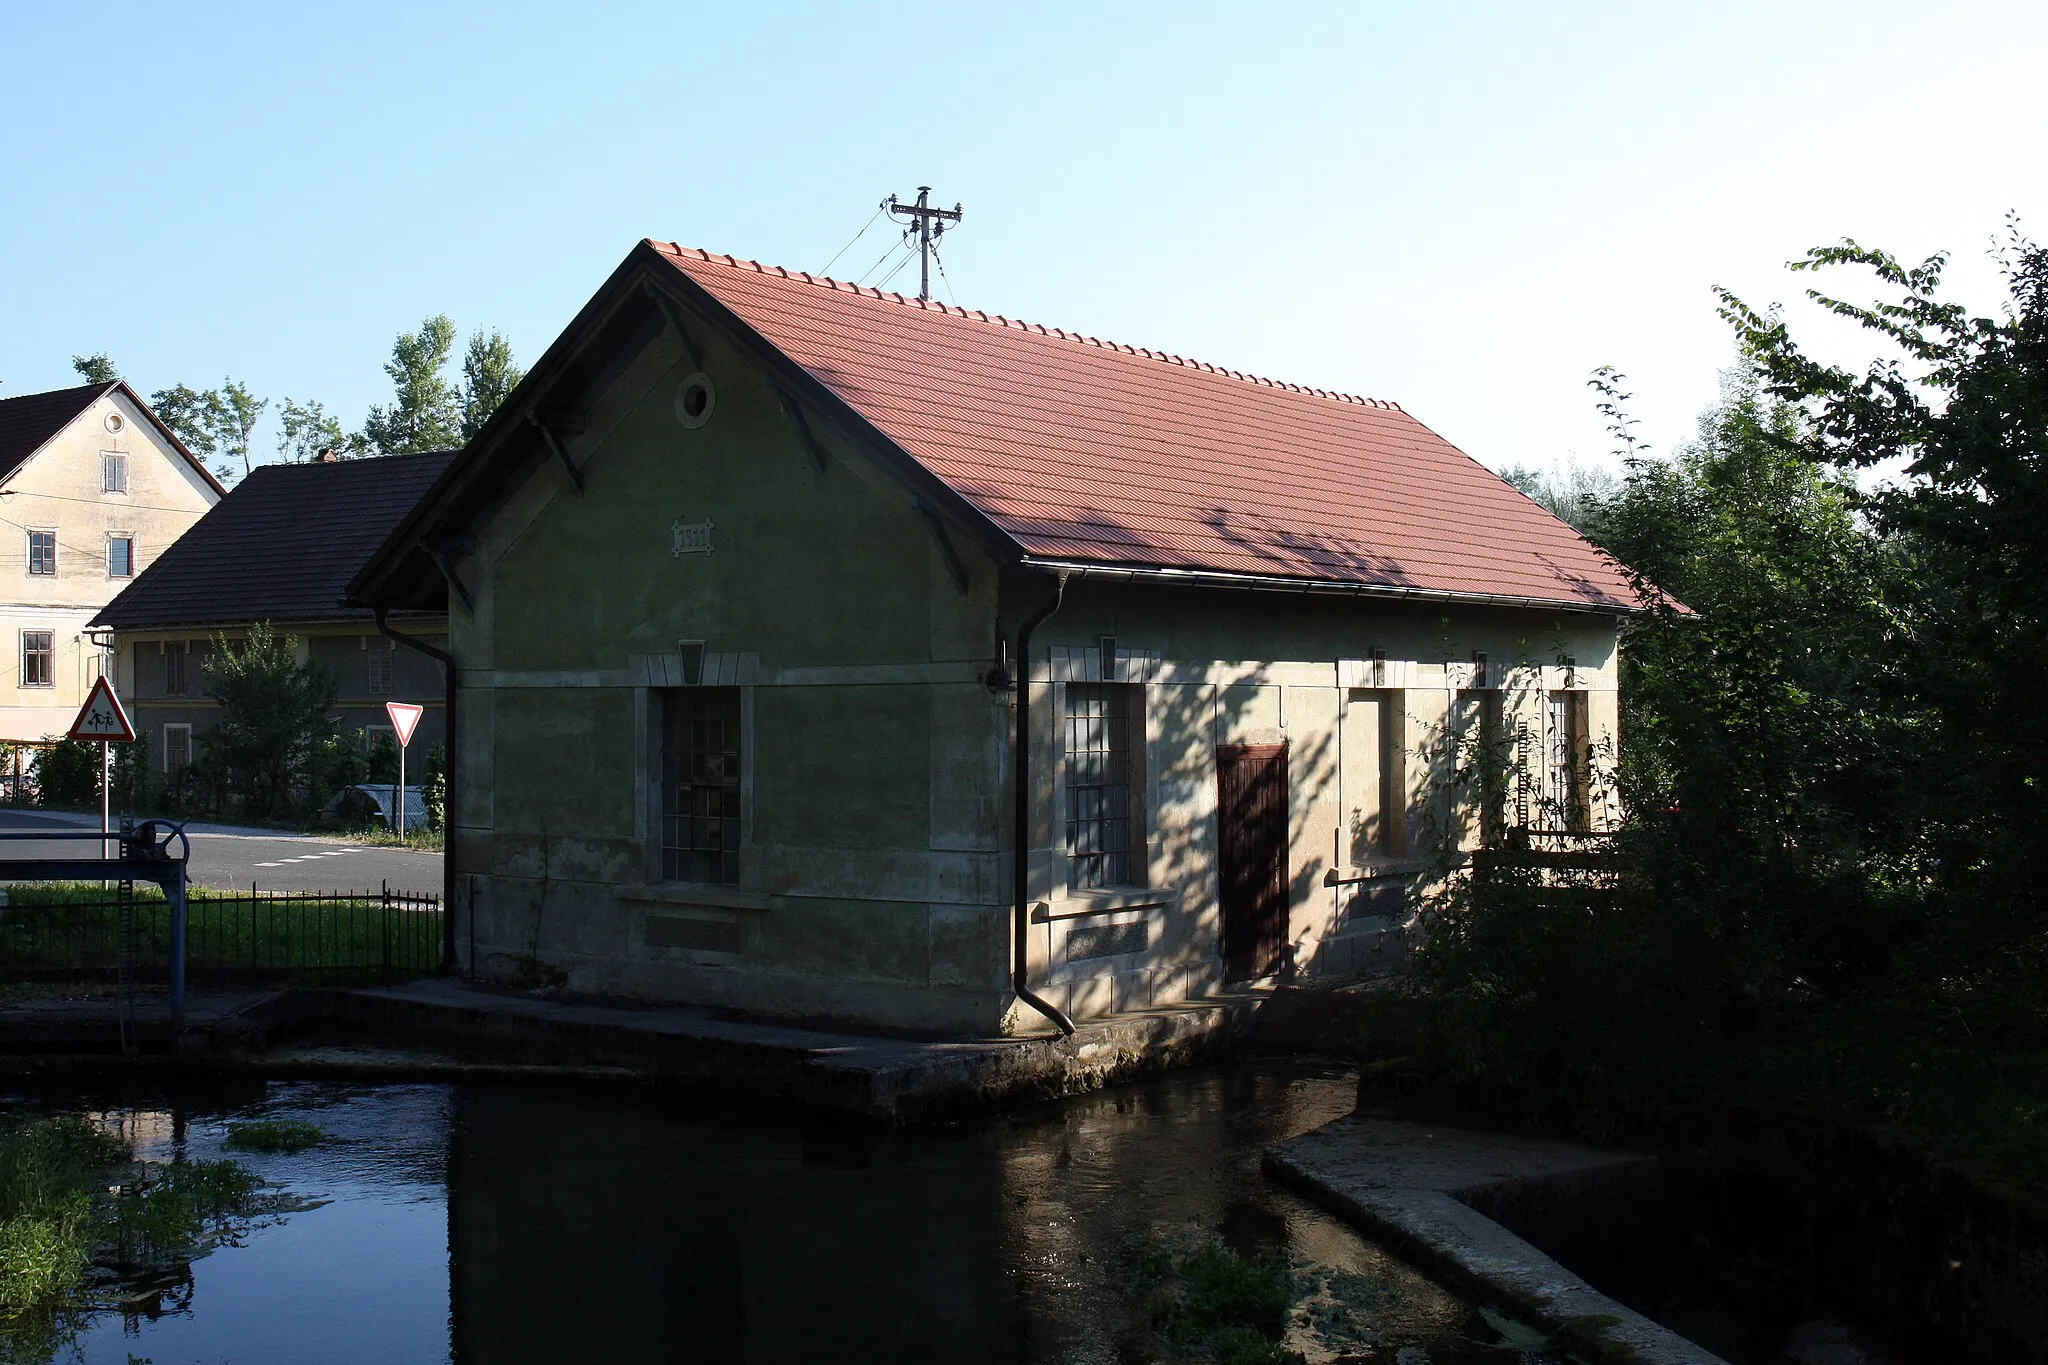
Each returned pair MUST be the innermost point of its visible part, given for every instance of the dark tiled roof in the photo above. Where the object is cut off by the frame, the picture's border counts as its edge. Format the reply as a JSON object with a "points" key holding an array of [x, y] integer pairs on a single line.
{"points": [[281, 547], [28, 422]]}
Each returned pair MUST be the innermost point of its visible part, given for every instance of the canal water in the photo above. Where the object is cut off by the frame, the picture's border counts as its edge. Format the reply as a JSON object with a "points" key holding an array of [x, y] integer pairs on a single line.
{"points": [[494, 1222]]}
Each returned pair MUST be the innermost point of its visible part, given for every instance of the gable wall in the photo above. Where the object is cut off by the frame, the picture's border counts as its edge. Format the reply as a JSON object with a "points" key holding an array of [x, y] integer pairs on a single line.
{"points": [[871, 863], [59, 489]]}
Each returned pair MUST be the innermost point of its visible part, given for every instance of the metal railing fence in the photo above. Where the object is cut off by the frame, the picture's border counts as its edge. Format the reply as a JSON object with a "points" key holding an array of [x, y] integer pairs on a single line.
{"points": [[328, 936]]}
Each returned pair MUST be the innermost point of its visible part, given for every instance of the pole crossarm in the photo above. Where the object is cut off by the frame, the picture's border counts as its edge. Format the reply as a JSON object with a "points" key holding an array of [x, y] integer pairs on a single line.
{"points": [[927, 225]]}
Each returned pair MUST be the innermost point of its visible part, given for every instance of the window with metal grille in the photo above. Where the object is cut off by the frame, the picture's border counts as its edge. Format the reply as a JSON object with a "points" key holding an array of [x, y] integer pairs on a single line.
{"points": [[42, 552], [38, 650], [700, 784], [113, 472], [120, 556], [174, 668], [1098, 753], [177, 748], [381, 656], [1566, 761]]}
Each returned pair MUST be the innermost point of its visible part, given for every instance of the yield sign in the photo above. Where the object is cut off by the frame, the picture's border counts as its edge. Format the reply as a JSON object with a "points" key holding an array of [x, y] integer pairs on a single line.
{"points": [[102, 716], [404, 716]]}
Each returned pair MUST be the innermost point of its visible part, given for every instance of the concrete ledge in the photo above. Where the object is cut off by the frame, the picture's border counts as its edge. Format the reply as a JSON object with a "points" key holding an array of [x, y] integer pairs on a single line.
{"points": [[890, 1081], [1397, 1182]]}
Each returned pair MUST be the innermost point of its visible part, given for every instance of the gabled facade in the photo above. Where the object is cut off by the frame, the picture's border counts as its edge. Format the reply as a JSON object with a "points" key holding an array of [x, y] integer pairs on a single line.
{"points": [[281, 549], [755, 580], [93, 489]]}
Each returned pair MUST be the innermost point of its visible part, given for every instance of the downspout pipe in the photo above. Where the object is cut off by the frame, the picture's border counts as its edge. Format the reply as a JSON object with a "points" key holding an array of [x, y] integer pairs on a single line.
{"points": [[1021, 847], [447, 662]]}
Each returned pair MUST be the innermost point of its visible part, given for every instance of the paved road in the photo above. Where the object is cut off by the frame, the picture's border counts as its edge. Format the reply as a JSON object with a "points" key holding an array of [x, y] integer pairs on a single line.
{"points": [[224, 856]]}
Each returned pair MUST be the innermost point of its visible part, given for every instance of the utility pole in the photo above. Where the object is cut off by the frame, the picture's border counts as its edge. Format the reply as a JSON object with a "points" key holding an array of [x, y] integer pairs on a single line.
{"points": [[927, 224]]}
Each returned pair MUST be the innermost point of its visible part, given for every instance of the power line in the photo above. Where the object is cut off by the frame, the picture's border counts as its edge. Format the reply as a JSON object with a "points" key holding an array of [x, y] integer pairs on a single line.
{"points": [[883, 283], [894, 247], [879, 211], [944, 277]]}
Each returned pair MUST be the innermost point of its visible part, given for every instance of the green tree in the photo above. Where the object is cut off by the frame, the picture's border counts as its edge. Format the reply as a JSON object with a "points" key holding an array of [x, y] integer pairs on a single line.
{"points": [[233, 413], [306, 429], [275, 710], [95, 369], [189, 413], [1959, 403], [488, 374], [1572, 492], [426, 411]]}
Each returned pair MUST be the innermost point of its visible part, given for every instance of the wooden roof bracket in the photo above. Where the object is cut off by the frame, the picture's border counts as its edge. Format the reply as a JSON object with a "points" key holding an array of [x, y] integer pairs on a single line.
{"points": [[561, 451], [946, 548], [445, 562], [667, 305], [803, 426]]}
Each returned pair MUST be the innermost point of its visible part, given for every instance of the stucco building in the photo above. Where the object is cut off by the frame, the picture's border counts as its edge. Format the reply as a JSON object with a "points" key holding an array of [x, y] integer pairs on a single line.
{"points": [[280, 548], [93, 488], [752, 577]]}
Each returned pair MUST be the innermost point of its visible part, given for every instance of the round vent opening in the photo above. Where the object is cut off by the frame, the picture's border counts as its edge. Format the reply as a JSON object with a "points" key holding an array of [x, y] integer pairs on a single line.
{"points": [[114, 422], [695, 400]]}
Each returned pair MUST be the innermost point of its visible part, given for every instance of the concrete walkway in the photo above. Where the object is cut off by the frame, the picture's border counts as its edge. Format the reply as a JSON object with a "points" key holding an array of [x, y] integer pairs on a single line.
{"points": [[1398, 1181], [876, 1078]]}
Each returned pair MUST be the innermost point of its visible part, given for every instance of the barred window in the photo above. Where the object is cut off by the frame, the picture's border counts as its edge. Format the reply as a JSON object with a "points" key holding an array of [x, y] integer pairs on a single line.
{"points": [[174, 668], [1566, 759], [700, 784], [381, 661], [37, 664], [177, 748], [1097, 724]]}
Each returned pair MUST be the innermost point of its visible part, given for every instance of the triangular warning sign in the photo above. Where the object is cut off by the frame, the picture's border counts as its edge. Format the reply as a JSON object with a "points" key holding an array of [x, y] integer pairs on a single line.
{"points": [[102, 716], [404, 716]]}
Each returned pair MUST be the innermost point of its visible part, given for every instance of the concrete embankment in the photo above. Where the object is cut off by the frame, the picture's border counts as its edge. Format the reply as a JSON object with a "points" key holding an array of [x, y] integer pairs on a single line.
{"points": [[445, 1028], [1402, 1184]]}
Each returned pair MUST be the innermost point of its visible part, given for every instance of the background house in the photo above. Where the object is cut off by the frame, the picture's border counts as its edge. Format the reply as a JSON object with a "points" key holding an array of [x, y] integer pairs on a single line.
{"points": [[93, 489], [280, 548], [748, 580]]}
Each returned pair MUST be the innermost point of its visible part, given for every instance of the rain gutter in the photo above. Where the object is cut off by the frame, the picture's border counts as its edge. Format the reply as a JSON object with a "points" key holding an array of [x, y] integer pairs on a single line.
{"points": [[1020, 870], [1215, 578]]}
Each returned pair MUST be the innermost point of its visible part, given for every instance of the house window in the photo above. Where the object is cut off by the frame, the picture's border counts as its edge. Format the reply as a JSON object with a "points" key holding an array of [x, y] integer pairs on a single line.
{"points": [[381, 662], [1565, 762], [1376, 774], [177, 748], [113, 472], [42, 552], [38, 650], [120, 556], [175, 657], [700, 784], [1482, 762], [1098, 723]]}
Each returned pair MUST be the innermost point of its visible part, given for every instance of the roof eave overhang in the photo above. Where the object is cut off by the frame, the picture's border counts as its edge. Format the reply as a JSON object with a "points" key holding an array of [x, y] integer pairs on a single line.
{"points": [[1217, 578]]}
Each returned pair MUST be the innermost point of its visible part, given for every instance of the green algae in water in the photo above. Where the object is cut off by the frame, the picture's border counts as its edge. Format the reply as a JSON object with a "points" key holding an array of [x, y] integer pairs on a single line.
{"points": [[274, 1135]]}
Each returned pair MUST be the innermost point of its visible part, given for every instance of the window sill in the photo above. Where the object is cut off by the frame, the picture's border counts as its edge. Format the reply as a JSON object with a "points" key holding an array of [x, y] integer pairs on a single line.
{"points": [[1079, 903], [1393, 867], [697, 893]]}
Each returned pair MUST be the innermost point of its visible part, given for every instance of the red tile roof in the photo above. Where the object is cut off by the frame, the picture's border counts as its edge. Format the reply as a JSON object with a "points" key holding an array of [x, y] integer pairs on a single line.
{"points": [[1090, 452]]}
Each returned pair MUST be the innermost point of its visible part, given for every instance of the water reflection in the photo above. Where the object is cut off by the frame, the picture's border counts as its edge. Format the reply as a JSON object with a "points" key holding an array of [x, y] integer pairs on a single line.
{"points": [[495, 1223]]}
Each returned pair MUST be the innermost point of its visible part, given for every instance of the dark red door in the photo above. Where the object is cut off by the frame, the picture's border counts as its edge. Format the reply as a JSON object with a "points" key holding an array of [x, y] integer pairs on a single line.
{"points": [[1252, 824]]}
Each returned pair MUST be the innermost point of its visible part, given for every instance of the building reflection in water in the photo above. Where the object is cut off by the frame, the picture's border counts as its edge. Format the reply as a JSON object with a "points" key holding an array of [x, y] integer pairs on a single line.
{"points": [[612, 1225]]}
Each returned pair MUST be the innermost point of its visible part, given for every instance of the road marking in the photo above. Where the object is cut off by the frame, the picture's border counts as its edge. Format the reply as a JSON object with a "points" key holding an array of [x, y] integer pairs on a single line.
{"points": [[270, 864]]}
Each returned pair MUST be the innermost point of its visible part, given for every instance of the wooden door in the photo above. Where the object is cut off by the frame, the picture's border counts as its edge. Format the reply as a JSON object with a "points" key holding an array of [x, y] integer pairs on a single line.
{"points": [[1251, 816]]}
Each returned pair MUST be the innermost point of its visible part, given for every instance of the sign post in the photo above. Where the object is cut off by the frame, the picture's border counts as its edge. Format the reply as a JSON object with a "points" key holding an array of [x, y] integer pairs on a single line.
{"points": [[404, 717], [104, 718]]}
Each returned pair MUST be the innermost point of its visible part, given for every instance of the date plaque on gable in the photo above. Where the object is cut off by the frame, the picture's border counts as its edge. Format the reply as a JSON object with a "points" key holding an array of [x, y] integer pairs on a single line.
{"points": [[692, 538]]}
